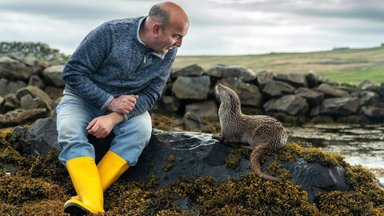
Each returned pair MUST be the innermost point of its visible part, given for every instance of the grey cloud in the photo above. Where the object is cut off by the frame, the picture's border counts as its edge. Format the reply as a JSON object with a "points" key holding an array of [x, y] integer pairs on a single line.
{"points": [[71, 10], [369, 13]]}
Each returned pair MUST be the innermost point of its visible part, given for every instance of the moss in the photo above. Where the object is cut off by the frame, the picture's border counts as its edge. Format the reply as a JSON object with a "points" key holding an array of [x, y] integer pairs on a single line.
{"points": [[44, 207], [353, 119], [346, 203], [166, 123], [234, 157], [322, 157], [170, 163], [290, 119], [291, 151], [363, 181], [365, 197], [42, 186], [276, 169], [8, 155], [210, 126], [8, 209], [322, 120], [153, 180], [246, 196], [19, 189]]}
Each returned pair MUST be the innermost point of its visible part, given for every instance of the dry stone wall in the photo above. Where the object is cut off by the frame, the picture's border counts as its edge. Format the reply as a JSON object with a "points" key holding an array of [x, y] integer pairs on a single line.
{"points": [[30, 88]]}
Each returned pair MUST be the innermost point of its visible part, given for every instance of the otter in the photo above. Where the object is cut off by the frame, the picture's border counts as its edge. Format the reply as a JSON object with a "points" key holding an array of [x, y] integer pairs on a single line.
{"points": [[261, 132]]}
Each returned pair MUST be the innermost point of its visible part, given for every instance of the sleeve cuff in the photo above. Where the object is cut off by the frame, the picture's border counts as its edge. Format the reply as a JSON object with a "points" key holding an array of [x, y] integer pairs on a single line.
{"points": [[105, 105]]}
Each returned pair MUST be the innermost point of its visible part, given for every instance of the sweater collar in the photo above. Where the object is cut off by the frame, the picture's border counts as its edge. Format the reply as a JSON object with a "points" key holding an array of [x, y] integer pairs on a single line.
{"points": [[159, 55]]}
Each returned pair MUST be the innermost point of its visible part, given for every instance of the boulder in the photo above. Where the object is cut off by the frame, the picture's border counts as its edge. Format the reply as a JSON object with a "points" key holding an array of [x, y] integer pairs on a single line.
{"points": [[21, 116], [332, 91], [340, 106], [249, 94], [12, 69], [275, 88], [205, 109], [312, 96], [233, 71], [173, 155], [52, 76], [191, 87], [37, 93], [190, 70], [263, 77], [291, 104], [294, 79]]}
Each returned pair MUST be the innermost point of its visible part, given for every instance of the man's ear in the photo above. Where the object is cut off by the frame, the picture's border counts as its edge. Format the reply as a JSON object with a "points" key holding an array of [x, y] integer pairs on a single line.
{"points": [[156, 29]]}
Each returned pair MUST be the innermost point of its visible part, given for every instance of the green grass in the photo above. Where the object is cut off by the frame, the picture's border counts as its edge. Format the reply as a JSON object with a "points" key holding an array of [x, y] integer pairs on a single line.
{"points": [[355, 77], [345, 66]]}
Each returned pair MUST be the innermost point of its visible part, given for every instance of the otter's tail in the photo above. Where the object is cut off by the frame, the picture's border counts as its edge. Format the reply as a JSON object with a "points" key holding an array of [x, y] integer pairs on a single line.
{"points": [[255, 162]]}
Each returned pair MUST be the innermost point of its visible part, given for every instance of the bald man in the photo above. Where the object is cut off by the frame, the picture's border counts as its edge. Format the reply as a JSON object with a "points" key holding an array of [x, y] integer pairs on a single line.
{"points": [[113, 78]]}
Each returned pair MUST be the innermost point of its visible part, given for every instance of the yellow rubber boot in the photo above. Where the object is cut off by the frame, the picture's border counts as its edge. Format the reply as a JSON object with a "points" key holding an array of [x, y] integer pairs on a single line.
{"points": [[110, 168], [86, 181]]}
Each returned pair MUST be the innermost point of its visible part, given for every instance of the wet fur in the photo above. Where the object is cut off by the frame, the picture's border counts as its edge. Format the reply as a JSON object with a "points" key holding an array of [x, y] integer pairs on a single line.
{"points": [[263, 133]]}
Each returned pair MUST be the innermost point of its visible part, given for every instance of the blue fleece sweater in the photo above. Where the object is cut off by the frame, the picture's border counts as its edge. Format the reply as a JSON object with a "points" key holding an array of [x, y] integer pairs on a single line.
{"points": [[112, 61]]}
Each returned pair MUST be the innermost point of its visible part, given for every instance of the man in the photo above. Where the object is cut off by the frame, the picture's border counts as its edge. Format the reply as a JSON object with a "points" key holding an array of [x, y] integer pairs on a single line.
{"points": [[113, 78]]}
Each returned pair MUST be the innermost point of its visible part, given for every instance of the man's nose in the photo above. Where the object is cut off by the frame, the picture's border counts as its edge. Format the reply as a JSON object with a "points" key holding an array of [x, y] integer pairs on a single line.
{"points": [[179, 42]]}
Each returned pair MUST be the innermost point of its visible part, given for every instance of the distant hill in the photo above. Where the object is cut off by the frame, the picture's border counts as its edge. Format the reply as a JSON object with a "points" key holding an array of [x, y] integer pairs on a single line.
{"points": [[341, 65]]}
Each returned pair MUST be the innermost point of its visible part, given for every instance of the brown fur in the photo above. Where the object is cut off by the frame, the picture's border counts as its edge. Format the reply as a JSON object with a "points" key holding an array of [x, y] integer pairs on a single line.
{"points": [[261, 132]]}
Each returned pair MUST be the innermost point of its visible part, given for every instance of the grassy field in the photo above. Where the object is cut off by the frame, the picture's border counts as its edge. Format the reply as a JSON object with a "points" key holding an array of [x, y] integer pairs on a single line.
{"points": [[343, 66]]}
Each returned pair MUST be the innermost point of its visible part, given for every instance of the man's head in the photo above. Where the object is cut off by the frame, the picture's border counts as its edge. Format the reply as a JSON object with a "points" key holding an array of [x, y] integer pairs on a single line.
{"points": [[166, 25]]}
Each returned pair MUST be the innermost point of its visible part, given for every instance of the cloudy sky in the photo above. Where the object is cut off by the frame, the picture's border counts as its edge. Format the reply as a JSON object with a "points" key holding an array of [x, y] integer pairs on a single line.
{"points": [[218, 27]]}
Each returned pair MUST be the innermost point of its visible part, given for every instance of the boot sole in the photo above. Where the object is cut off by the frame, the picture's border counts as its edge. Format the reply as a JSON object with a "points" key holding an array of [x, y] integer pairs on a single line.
{"points": [[74, 209]]}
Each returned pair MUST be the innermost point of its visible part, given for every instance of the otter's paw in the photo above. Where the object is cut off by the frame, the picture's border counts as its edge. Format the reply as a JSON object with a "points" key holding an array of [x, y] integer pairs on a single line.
{"points": [[217, 136]]}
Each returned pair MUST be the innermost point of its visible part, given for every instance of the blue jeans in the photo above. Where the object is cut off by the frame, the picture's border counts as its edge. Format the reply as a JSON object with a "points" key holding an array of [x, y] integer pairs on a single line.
{"points": [[73, 116]]}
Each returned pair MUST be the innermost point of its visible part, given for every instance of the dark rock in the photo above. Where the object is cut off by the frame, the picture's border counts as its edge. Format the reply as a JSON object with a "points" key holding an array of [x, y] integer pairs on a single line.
{"points": [[313, 79], [263, 77], [36, 93], [275, 88], [192, 87], [192, 121], [340, 106], [294, 79], [172, 155], [332, 91], [315, 178], [313, 97], [36, 81], [12, 69], [191, 70], [366, 97], [40, 138], [8, 87], [171, 103], [19, 116], [373, 111], [205, 109], [195, 154], [365, 85], [52, 76], [54, 92], [249, 94], [11, 103], [291, 104], [14, 86], [238, 72]]}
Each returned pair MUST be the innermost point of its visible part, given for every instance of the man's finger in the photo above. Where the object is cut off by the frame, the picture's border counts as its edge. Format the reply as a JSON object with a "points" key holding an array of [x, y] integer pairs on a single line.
{"points": [[91, 124]]}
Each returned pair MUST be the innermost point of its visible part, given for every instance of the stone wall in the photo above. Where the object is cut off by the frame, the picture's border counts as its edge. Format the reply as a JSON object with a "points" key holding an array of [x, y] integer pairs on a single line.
{"points": [[293, 98], [31, 90]]}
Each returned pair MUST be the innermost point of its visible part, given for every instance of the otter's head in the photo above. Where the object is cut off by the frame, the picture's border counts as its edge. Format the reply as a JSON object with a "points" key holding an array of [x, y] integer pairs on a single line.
{"points": [[227, 95]]}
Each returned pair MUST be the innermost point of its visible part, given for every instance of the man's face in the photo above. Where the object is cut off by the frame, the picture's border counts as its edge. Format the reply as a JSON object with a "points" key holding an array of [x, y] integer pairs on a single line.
{"points": [[170, 36]]}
